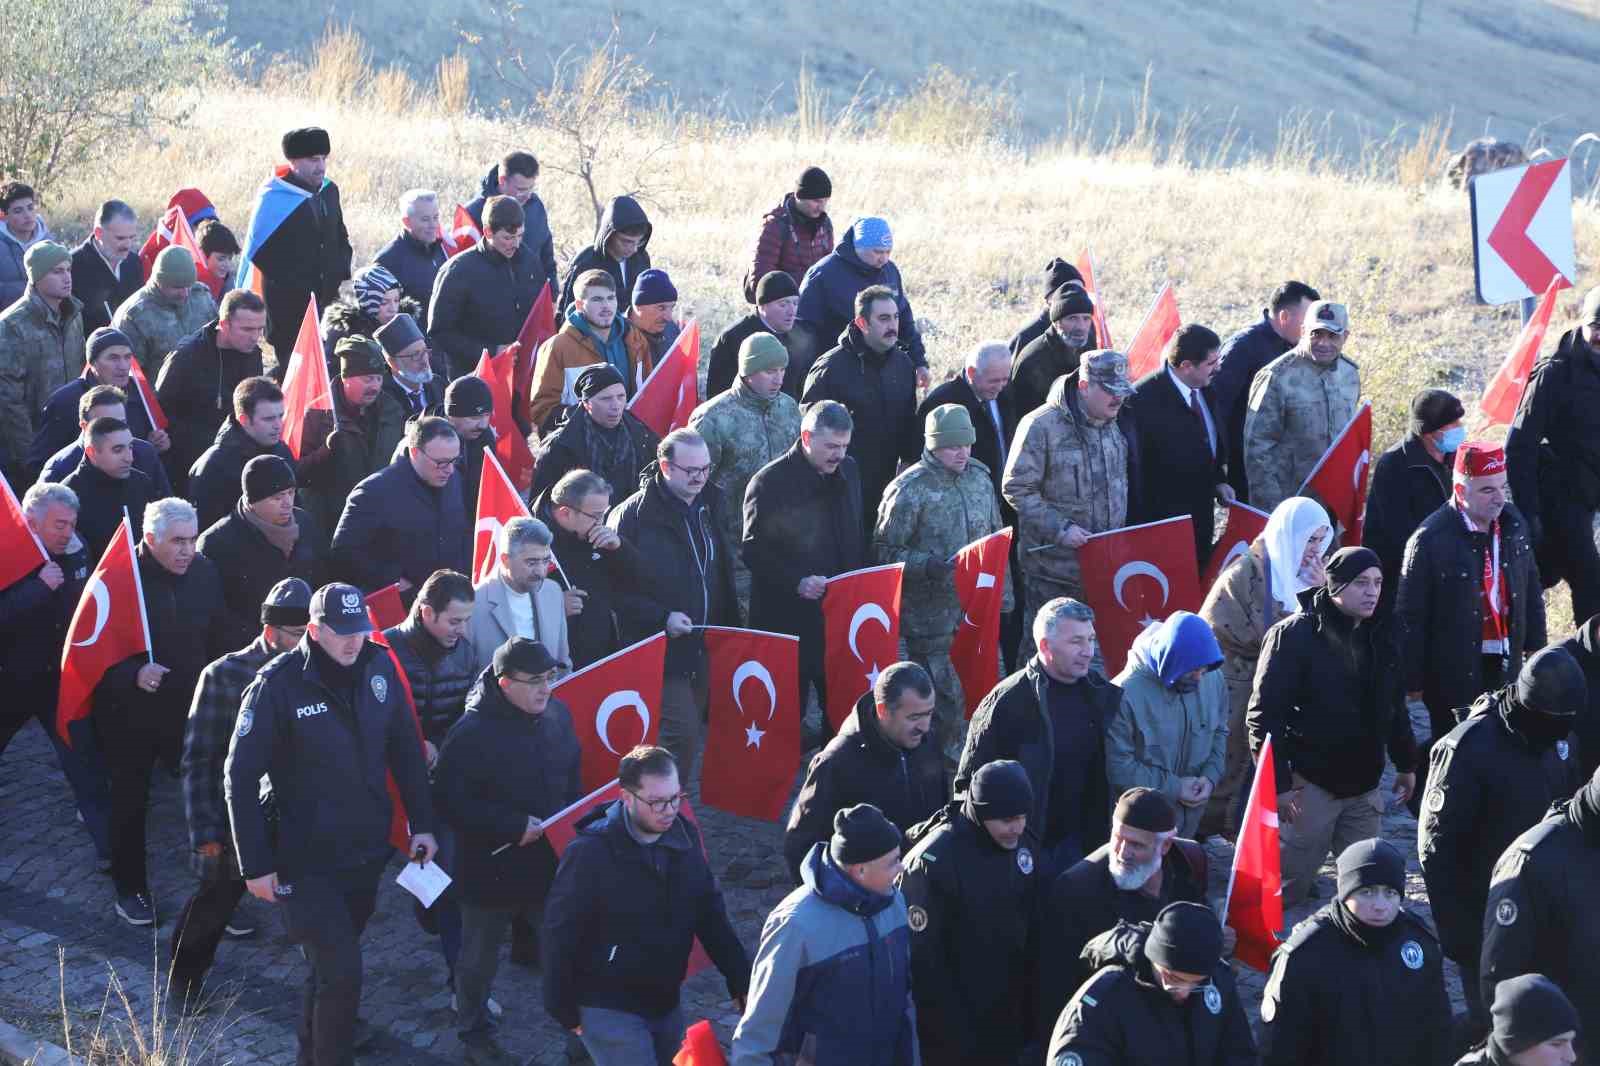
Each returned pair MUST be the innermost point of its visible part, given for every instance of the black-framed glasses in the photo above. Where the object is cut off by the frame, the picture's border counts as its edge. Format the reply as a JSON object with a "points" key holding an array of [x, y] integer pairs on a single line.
{"points": [[661, 806], [443, 464], [546, 678], [692, 471]]}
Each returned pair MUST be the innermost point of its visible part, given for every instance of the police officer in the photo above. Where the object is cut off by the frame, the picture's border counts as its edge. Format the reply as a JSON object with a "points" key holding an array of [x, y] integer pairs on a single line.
{"points": [[327, 721], [1492, 777], [1162, 997], [1540, 917], [1535, 1024], [1361, 980], [969, 888]]}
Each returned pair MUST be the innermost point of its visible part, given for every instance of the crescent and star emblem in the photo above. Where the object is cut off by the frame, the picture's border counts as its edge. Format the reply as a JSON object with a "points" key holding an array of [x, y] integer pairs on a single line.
{"points": [[616, 702], [102, 610], [1137, 567], [864, 613], [747, 670], [985, 581], [1361, 467]]}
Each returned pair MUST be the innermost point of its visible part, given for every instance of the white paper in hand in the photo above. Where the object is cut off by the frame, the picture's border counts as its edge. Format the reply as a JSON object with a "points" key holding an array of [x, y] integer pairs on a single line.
{"points": [[425, 882]]}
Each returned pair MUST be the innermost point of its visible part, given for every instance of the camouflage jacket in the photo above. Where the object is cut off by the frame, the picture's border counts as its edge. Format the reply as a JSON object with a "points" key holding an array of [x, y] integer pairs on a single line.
{"points": [[1063, 469], [929, 513], [743, 433], [1296, 408], [155, 327], [40, 351]]}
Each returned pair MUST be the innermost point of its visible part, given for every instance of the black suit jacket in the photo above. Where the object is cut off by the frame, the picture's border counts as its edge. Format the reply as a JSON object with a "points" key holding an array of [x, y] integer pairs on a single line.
{"points": [[987, 448], [1178, 472]]}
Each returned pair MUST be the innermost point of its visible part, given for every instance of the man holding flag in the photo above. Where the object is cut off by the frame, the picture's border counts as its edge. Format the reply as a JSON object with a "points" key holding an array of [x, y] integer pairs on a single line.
{"points": [[354, 437], [109, 362]]}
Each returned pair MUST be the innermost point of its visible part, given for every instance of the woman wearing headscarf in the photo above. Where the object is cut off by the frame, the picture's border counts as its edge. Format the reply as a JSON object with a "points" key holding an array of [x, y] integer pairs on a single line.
{"points": [[377, 299], [1362, 979], [1254, 591]]}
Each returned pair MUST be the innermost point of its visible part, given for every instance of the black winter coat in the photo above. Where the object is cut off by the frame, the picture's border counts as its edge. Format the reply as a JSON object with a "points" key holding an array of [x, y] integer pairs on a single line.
{"points": [[480, 300], [1441, 607], [722, 368], [1487, 784], [1243, 355], [621, 213], [688, 566], [347, 319], [1037, 367], [1332, 1000], [195, 388], [988, 449], [100, 289], [102, 501], [34, 619], [496, 767], [1332, 695], [216, 478], [59, 424], [536, 237], [1407, 486], [307, 255], [415, 266], [432, 393], [1585, 647], [440, 677], [1553, 448], [248, 566], [880, 391], [1179, 474], [568, 447], [861, 765], [594, 632], [395, 526]]}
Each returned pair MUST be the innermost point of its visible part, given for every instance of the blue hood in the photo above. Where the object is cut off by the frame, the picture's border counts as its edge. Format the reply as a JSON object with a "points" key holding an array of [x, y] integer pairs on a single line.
{"points": [[818, 873], [1172, 648]]}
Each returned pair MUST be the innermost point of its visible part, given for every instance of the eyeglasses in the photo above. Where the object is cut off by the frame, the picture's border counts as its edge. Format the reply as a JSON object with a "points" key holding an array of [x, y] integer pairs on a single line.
{"points": [[691, 471], [660, 806], [546, 678], [593, 516], [442, 464]]}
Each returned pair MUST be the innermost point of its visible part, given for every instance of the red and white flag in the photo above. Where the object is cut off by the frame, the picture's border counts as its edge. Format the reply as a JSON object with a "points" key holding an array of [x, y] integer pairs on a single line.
{"points": [[147, 396], [538, 327], [1504, 391], [498, 503], [1102, 332], [386, 607], [1244, 525], [980, 578], [399, 819], [700, 1047], [1339, 480], [109, 626], [616, 705], [461, 234], [753, 737], [1254, 906], [1160, 324], [861, 633], [665, 400], [1136, 576], [177, 223], [20, 551], [498, 371], [306, 386]]}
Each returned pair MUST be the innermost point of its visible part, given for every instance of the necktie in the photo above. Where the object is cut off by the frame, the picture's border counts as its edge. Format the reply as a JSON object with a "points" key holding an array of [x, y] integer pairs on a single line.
{"points": [[999, 429], [1194, 406]]}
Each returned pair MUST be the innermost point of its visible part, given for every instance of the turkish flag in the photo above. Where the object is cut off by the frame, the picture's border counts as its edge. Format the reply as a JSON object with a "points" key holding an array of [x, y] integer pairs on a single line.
{"points": [[147, 396], [20, 551], [626, 681], [1158, 327], [538, 327], [861, 633], [1136, 576], [399, 820], [108, 626], [700, 1047], [1504, 392], [1102, 332], [1255, 885], [1339, 480], [1244, 525], [385, 607], [462, 233], [306, 386], [980, 578], [510, 445], [666, 399], [177, 223], [753, 739], [498, 503]]}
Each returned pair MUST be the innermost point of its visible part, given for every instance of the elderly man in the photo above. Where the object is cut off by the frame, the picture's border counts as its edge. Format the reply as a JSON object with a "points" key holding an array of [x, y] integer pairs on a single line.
{"points": [[1073, 471], [830, 294], [105, 401], [198, 379], [23, 228], [410, 377], [515, 176], [110, 362], [599, 433], [482, 296], [777, 298], [415, 255], [518, 599], [173, 304], [409, 519], [105, 270], [1056, 351], [649, 315], [1410, 481], [980, 387], [255, 429], [141, 703], [932, 510], [107, 484], [1298, 404], [41, 345], [357, 438], [750, 425], [1057, 272]]}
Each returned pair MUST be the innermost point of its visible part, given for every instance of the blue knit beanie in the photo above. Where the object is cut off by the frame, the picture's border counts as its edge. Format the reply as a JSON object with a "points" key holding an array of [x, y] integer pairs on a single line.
{"points": [[872, 233], [654, 287]]}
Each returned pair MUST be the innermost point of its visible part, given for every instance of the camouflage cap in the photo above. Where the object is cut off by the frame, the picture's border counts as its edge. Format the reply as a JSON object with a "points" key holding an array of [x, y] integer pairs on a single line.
{"points": [[1109, 370], [1327, 315]]}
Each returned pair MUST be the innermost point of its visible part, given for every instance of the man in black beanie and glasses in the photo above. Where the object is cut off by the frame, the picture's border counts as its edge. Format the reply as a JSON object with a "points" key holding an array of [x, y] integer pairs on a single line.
{"points": [[1162, 996], [1362, 979], [969, 887], [1535, 1024]]}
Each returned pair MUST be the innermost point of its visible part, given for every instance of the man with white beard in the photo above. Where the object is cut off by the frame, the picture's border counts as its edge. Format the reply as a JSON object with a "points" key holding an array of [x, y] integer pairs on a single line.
{"points": [[1129, 879]]}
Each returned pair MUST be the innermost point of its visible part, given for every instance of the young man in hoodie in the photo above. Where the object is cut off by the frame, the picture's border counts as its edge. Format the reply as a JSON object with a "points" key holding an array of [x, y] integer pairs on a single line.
{"points": [[515, 176], [620, 248], [594, 332], [22, 229]]}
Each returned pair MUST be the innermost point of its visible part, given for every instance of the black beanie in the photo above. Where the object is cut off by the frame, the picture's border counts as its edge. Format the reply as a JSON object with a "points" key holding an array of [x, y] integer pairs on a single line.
{"points": [[1186, 938], [1551, 682], [1371, 862], [813, 185], [1070, 299], [266, 475], [288, 603], [1000, 789], [1529, 1010], [1347, 564], [1433, 409], [1146, 809], [104, 338], [595, 380], [861, 834], [1057, 273], [775, 285], [468, 396]]}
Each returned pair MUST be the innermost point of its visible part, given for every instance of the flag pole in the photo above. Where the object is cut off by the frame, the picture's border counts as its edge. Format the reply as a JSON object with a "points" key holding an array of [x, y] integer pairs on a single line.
{"points": [[138, 585], [1250, 803]]}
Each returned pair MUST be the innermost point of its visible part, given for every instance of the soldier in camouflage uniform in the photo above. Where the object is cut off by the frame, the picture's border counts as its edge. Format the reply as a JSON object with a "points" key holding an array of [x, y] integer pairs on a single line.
{"points": [[172, 305], [1298, 404], [930, 511], [41, 345], [1072, 464], [746, 428]]}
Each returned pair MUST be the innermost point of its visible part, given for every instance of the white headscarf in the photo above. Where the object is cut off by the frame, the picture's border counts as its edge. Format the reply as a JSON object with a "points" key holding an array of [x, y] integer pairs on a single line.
{"points": [[1289, 529]]}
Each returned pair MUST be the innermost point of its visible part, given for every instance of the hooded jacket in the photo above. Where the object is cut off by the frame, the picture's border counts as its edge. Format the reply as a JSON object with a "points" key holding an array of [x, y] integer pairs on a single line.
{"points": [[215, 479], [576, 347], [1584, 646], [195, 389], [536, 237], [828, 300], [480, 300], [1159, 734], [620, 213], [13, 261], [346, 319]]}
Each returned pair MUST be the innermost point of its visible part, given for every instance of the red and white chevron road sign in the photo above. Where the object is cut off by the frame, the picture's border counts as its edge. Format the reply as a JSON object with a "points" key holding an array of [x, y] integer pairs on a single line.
{"points": [[1522, 230]]}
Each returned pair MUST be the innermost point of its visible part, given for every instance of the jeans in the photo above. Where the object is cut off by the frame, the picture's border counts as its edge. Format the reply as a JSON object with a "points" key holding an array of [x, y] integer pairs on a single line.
{"points": [[618, 1038], [324, 914]]}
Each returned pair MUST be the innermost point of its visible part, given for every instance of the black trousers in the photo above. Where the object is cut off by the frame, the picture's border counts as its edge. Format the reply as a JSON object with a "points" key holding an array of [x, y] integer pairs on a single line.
{"points": [[325, 914], [1567, 553], [131, 750], [205, 918]]}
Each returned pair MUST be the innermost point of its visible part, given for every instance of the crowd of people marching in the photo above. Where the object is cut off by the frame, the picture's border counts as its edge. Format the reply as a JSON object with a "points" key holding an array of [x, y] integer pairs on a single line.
{"points": [[995, 868]]}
